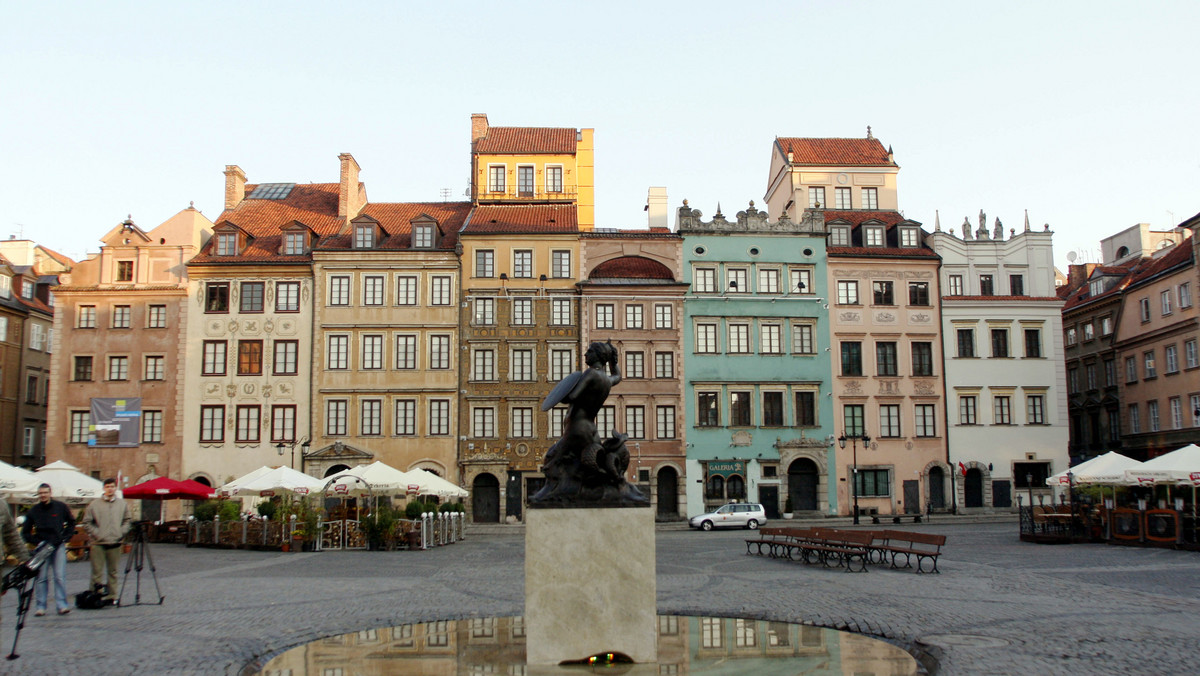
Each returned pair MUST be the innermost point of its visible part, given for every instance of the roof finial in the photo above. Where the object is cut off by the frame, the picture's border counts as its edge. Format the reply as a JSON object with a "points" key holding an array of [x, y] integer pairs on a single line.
{"points": [[718, 214], [869, 132], [192, 204], [937, 221], [1026, 220]]}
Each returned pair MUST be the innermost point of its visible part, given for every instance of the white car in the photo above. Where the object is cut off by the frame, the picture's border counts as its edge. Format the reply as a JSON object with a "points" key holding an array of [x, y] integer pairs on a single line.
{"points": [[735, 515]]}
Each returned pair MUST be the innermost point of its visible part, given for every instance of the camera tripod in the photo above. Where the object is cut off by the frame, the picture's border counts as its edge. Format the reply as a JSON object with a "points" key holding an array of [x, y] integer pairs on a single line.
{"points": [[139, 555]]}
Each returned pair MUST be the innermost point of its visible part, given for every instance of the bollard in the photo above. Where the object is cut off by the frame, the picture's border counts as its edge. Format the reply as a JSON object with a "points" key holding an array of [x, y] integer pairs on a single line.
{"points": [[216, 529], [450, 519], [425, 530], [462, 525], [245, 526], [266, 521]]}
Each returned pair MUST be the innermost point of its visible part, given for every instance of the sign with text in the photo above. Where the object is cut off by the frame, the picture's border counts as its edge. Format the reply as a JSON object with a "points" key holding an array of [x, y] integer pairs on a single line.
{"points": [[116, 423]]}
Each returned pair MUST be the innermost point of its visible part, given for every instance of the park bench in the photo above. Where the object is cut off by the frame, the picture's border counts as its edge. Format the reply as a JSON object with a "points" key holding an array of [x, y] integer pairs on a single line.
{"points": [[837, 548], [922, 546], [767, 537]]}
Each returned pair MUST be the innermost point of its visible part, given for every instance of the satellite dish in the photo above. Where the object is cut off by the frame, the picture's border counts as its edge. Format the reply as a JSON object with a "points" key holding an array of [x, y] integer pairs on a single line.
{"points": [[1071, 256]]}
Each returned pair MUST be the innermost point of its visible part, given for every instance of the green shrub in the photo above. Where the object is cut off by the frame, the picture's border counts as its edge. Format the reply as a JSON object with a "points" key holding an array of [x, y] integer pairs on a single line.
{"points": [[416, 508], [451, 507], [228, 510], [268, 509], [205, 511], [379, 526]]}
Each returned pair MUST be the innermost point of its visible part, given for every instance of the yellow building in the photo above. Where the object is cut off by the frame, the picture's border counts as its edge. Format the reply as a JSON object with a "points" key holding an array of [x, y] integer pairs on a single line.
{"points": [[533, 165]]}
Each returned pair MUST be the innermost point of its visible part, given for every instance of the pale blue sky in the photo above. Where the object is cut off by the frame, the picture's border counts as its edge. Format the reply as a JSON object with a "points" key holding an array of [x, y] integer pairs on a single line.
{"points": [[1081, 112]]}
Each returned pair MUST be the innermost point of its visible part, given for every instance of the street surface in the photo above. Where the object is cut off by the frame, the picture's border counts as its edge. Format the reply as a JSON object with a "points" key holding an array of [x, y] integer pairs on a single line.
{"points": [[999, 607]]}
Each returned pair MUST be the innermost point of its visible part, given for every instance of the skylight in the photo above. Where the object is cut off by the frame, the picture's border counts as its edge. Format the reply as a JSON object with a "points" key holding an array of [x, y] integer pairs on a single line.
{"points": [[271, 191]]}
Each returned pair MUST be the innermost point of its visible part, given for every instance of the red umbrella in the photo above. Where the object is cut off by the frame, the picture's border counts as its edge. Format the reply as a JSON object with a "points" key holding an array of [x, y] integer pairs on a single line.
{"points": [[163, 488]]}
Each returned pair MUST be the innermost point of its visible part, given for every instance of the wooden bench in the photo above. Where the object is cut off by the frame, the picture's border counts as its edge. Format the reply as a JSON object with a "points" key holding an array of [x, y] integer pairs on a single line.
{"points": [[767, 537], [837, 548], [922, 546]]}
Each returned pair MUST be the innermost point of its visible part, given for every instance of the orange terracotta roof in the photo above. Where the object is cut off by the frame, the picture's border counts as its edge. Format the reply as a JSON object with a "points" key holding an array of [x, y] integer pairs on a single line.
{"points": [[546, 219], [313, 204], [631, 267], [537, 140], [878, 251], [1181, 254], [396, 220], [652, 233], [856, 217], [859, 152]]}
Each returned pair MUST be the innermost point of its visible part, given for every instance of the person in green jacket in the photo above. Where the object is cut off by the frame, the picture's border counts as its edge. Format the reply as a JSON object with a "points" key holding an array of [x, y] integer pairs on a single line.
{"points": [[106, 520]]}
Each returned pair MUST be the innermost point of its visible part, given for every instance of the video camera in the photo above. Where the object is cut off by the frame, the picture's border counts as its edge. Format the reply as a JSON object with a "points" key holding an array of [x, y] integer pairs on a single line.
{"points": [[18, 576]]}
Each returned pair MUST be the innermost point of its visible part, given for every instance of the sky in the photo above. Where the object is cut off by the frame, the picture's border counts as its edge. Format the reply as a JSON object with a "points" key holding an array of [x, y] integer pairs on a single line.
{"points": [[1082, 113]]}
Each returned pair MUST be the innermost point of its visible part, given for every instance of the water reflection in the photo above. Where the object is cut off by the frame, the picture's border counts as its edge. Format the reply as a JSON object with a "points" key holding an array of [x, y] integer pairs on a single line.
{"points": [[686, 645]]}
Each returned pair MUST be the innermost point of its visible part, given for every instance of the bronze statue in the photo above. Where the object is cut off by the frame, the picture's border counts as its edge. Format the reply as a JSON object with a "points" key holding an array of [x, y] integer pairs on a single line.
{"points": [[581, 468]]}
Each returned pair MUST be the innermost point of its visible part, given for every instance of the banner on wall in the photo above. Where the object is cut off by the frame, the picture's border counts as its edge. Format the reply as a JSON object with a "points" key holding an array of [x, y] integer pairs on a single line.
{"points": [[116, 423]]}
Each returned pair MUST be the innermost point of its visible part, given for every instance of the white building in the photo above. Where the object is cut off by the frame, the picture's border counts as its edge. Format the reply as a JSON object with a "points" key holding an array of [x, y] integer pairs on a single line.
{"points": [[1004, 369]]}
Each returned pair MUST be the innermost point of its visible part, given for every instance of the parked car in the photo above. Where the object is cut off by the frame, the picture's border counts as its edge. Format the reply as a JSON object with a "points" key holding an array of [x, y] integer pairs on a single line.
{"points": [[736, 515]]}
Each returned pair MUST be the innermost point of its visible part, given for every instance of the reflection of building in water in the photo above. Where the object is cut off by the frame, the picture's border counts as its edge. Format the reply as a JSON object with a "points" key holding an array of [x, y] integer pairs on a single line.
{"points": [[721, 637], [863, 656]]}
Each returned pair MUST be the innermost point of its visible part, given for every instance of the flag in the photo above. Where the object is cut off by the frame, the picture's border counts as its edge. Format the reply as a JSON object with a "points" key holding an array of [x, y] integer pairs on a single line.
{"points": [[962, 469]]}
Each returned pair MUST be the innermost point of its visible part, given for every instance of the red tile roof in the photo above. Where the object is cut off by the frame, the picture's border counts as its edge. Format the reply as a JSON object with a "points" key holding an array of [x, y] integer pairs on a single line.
{"points": [[857, 152], [879, 251], [545, 219], [57, 256], [631, 267], [396, 219], [313, 204], [536, 140], [1181, 253], [652, 233], [857, 217]]}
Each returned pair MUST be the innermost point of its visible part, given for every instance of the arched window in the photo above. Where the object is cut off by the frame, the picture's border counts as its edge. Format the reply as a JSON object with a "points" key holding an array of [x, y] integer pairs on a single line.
{"points": [[736, 488], [716, 487]]}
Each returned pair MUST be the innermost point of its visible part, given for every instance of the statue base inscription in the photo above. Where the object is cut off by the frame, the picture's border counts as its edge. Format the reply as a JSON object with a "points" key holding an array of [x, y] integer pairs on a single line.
{"points": [[590, 584]]}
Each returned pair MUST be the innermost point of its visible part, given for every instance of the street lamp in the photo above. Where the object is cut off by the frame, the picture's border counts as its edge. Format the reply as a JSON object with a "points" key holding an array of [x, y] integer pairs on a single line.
{"points": [[854, 445], [303, 450], [1029, 485]]}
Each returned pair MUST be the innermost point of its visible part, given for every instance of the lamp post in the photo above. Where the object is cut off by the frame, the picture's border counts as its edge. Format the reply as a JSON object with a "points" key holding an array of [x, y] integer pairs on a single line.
{"points": [[854, 445], [1029, 485], [303, 450]]}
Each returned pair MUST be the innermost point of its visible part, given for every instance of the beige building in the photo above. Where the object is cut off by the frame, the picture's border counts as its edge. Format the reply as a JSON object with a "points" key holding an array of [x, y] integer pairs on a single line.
{"points": [[830, 173]]}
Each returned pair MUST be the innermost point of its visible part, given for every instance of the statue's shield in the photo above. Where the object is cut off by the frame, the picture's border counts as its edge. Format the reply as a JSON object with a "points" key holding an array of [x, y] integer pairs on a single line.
{"points": [[561, 390]]}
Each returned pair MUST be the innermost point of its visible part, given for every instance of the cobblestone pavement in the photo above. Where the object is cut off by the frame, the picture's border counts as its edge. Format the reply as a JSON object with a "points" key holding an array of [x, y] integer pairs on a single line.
{"points": [[999, 607]]}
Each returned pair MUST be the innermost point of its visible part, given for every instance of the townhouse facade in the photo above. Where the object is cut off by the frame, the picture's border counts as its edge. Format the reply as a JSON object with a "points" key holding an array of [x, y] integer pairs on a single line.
{"points": [[831, 173], [12, 349]]}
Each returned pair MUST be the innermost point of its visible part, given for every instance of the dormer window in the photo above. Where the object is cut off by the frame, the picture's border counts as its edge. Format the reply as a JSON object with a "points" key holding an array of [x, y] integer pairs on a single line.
{"points": [[364, 236], [227, 244], [293, 243], [124, 271], [873, 236], [423, 236], [839, 235], [5, 286], [26, 288], [908, 238]]}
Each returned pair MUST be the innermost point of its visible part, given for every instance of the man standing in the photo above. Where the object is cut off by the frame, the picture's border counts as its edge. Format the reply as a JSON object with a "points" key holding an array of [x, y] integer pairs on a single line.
{"points": [[51, 522], [107, 521]]}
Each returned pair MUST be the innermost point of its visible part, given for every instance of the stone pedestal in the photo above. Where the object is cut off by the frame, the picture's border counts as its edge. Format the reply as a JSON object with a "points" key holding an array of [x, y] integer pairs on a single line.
{"points": [[590, 584]]}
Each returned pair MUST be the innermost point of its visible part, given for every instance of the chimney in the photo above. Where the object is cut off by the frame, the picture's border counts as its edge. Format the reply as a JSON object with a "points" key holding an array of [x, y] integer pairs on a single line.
{"points": [[1077, 275], [479, 127], [656, 207], [235, 185], [351, 197]]}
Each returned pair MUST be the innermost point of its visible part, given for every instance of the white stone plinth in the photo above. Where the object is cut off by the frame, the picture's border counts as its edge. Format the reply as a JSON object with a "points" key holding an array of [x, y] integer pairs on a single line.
{"points": [[590, 584]]}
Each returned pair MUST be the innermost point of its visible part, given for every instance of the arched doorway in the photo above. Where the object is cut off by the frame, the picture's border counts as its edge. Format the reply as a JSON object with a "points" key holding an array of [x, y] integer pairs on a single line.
{"points": [[973, 488], [335, 470], [202, 480], [668, 493], [803, 476], [485, 499], [937, 488]]}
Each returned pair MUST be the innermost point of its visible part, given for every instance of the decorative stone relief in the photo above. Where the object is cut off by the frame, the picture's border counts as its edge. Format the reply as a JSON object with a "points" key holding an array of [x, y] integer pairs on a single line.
{"points": [[304, 290], [889, 387], [741, 438], [268, 326], [232, 326], [230, 391], [923, 387], [215, 327], [850, 317], [266, 391], [212, 391], [920, 318], [248, 388], [853, 387], [285, 389], [885, 317], [252, 326]]}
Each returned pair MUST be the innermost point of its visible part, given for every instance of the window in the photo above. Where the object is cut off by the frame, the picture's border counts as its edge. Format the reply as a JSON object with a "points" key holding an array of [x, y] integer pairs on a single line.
{"points": [[156, 317], [286, 357], [440, 287], [873, 483], [485, 311], [560, 264], [283, 423], [1171, 359], [1002, 410], [635, 422], [1090, 370], [847, 292], [1016, 285], [525, 181], [252, 297], [155, 367], [1089, 331], [226, 244], [772, 411], [1148, 362], [604, 316], [985, 286], [889, 420], [802, 339], [83, 368], [1114, 425], [665, 420], [406, 352], [816, 196], [739, 338], [736, 280], [406, 290], [372, 352], [1194, 407], [335, 417], [1106, 326], [364, 236], [1185, 295], [1072, 380], [768, 280], [705, 280], [484, 365], [909, 238], [771, 338], [922, 359], [523, 264], [86, 317], [339, 290], [1144, 307], [606, 417], [664, 317], [439, 352], [118, 368], [31, 389], [966, 342], [956, 285], [338, 352], [247, 424], [124, 271], [1070, 338], [29, 444], [851, 358], [967, 410], [1110, 373], [918, 293], [874, 236], [250, 356], [635, 365], [214, 358], [554, 179], [406, 417], [706, 338], [439, 417], [152, 427], [852, 420], [1166, 302], [739, 409], [1191, 358], [560, 312], [633, 316], [485, 263], [522, 365], [1130, 370], [999, 343], [560, 364], [806, 409], [293, 243], [842, 198], [522, 423], [496, 177], [925, 421], [1033, 343], [554, 421], [370, 417], [1152, 415], [121, 317], [870, 198], [423, 237], [839, 235], [885, 359], [80, 421], [800, 280], [1135, 421], [882, 293], [707, 409], [373, 290], [1176, 405], [212, 424]]}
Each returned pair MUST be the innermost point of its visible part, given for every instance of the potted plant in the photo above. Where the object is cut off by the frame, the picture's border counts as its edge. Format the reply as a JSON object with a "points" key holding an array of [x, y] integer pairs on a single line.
{"points": [[379, 528], [787, 508]]}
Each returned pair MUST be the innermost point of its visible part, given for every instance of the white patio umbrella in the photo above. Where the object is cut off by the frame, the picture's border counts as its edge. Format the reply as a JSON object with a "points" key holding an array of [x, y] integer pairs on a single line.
{"points": [[428, 483], [1181, 465], [67, 483], [383, 478], [1109, 468], [231, 487], [279, 479], [12, 476]]}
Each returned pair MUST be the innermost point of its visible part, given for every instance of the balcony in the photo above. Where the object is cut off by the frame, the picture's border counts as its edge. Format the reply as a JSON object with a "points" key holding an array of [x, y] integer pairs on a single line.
{"points": [[514, 193]]}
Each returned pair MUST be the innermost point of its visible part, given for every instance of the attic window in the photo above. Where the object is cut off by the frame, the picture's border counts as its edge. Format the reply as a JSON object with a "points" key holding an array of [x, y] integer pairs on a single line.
{"points": [[839, 235], [271, 191], [874, 236], [364, 236], [422, 236], [908, 238], [293, 243], [227, 244]]}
